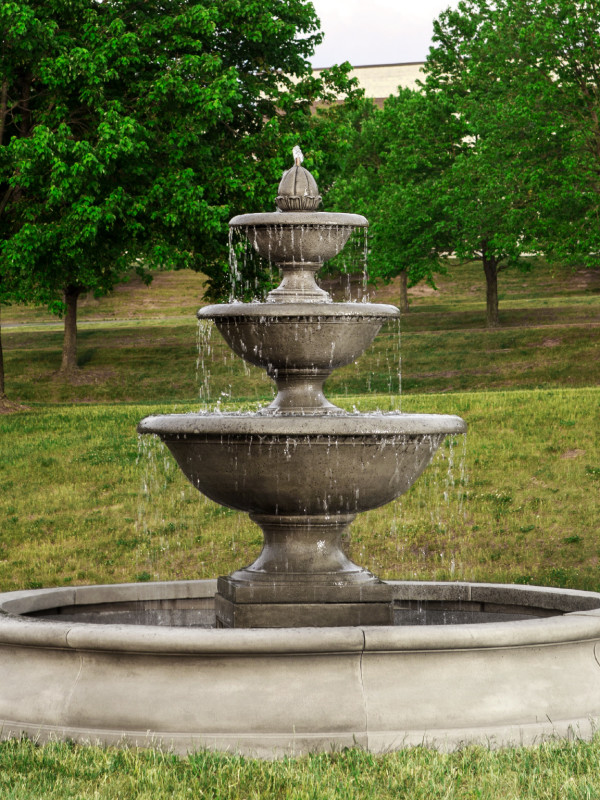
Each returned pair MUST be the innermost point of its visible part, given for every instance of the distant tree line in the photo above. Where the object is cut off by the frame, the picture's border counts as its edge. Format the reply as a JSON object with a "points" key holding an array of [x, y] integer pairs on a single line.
{"points": [[498, 154]]}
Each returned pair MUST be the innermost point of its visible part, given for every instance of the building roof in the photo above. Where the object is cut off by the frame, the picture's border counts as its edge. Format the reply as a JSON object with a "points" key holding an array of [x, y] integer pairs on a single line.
{"points": [[381, 80]]}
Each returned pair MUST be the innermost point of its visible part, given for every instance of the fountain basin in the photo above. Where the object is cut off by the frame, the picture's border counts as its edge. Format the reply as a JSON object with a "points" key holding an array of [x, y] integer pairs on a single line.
{"points": [[316, 336], [291, 465], [120, 665], [310, 237], [299, 344], [302, 479]]}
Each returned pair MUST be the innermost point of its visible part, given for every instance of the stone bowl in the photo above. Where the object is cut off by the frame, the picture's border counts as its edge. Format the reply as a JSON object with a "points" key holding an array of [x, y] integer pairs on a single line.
{"points": [[298, 237], [318, 337], [295, 465]]}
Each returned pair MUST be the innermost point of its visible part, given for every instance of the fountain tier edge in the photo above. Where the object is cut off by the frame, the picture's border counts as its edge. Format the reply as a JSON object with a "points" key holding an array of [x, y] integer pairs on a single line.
{"points": [[302, 465], [115, 665], [299, 344]]}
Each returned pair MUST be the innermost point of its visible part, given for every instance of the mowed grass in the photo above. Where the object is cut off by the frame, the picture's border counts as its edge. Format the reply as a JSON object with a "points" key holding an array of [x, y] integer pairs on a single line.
{"points": [[85, 502], [140, 343], [553, 771], [159, 362]]}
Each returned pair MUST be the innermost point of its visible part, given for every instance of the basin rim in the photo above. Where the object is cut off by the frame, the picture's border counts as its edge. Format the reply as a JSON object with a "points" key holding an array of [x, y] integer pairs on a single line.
{"points": [[15, 629], [269, 219], [319, 310], [378, 424]]}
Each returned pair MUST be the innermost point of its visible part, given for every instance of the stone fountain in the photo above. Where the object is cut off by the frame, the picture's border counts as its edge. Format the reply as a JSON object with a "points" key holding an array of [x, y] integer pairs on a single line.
{"points": [[303, 649], [301, 467]]}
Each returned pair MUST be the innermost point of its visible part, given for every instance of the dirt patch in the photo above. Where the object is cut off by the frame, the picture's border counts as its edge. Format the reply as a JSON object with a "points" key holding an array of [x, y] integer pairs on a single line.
{"points": [[573, 453], [585, 279], [9, 407], [422, 290], [549, 342]]}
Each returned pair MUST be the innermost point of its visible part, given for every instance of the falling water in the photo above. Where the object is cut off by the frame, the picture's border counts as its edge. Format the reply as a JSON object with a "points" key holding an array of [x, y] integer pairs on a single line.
{"points": [[204, 334], [156, 471], [346, 275], [251, 276], [176, 524]]}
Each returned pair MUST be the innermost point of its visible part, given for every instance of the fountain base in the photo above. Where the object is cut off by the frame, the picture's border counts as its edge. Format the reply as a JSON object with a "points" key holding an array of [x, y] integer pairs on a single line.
{"points": [[141, 664], [244, 605], [302, 579]]}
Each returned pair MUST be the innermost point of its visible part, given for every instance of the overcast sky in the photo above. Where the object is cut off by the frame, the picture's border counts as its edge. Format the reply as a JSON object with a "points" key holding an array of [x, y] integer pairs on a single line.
{"points": [[376, 31]]}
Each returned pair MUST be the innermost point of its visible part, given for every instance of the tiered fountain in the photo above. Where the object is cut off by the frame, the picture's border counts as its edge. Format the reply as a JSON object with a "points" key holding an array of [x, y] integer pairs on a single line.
{"points": [[302, 468], [303, 649]]}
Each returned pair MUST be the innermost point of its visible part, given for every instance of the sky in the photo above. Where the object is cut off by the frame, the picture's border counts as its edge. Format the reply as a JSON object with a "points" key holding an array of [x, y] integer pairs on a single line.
{"points": [[376, 31]]}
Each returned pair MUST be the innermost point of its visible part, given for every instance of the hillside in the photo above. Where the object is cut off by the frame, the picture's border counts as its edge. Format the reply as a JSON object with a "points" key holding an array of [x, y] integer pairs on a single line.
{"points": [[139, 344]]}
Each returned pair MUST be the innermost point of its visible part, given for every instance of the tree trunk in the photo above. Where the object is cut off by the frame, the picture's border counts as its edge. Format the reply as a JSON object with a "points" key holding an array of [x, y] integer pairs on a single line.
{"points": [[404, 291], [69, 352], [490, 267], [2, 386]]}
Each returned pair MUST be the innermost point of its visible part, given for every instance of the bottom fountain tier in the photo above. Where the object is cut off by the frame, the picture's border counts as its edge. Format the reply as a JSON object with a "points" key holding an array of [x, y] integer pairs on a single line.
{"points": [[141, 665], [303, 480]]}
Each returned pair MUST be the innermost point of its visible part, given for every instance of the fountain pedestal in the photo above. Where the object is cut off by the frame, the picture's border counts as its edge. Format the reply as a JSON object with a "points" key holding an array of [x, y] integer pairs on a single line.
{"points": [[243, 606], [302, 578]]}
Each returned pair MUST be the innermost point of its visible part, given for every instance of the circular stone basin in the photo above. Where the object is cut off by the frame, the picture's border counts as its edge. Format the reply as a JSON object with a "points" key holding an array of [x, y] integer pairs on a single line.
{"points": [[299, 336], [303, 465], [298, 237], [139, 664]]}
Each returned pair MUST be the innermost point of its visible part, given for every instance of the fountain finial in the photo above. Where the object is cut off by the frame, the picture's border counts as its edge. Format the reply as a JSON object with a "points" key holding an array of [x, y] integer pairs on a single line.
{"points": [[298, 190]]}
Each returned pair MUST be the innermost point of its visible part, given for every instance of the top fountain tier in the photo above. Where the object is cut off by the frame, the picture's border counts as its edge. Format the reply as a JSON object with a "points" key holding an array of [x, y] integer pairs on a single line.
{"points": [[298, 335], [299, 243], [297, 238]]}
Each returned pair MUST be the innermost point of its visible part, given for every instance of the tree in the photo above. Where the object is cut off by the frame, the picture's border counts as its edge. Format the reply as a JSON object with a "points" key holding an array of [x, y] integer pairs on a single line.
{"points": [[494, 212], [523, 76], [390, 173], [132, 131], [555, 78]]}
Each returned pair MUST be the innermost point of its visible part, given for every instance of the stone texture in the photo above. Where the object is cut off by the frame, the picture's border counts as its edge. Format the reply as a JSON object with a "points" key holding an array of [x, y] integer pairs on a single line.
{"points": [[290, 691], [300, 615]]}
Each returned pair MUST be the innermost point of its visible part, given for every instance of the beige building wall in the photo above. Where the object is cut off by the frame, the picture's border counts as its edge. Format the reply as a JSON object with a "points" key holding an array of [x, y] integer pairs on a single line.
{"points": [[381, 80]]}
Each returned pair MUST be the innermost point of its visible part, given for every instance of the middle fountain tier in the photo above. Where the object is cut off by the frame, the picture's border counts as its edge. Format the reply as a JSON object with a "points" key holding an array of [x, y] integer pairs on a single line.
{"points": [[301, 467]]}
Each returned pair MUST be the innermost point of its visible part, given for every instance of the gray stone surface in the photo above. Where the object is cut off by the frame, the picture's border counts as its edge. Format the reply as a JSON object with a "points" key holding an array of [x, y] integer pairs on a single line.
{"points": [[299, 344], [289, 691], [300, 615]]}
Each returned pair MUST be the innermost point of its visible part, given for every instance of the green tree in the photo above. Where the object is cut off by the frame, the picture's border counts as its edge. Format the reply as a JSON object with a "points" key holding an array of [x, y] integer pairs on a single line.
{"points": [[391, 172], [523, 76], [554, 79], [493, 208], [131, 132]]}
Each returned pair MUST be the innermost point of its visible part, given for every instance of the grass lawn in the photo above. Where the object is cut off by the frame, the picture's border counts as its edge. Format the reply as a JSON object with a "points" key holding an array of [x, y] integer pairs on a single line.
{"points": [[85, 501], [561, 771], [141, 344]]}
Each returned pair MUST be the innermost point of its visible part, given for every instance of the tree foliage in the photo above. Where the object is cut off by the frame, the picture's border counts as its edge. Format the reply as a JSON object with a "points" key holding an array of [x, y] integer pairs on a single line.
{"points": [[390, 171], [523, 77], [498, 155], [131, 132]]}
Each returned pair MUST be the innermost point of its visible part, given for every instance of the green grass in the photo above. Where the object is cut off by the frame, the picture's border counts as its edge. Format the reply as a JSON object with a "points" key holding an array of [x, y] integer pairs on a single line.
{"points": [[140, 344], [553, 771], [171, 294], [158, 362], [85, 502]]}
